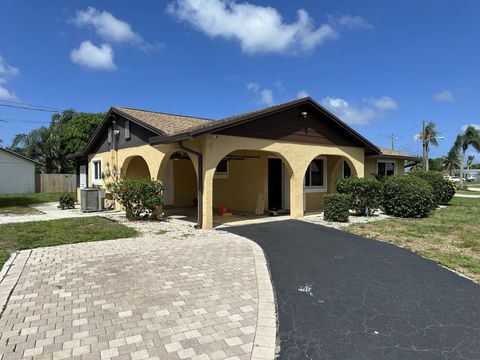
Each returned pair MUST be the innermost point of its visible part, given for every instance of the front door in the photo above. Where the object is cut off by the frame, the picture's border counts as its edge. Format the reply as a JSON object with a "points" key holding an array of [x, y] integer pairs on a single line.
{"points": [[275, 175], [83, 176]]}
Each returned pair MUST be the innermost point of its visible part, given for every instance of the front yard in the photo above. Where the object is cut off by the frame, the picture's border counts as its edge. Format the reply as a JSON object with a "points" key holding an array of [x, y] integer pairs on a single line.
{"points": [[18, 204], [449, 236], [31, 235]]}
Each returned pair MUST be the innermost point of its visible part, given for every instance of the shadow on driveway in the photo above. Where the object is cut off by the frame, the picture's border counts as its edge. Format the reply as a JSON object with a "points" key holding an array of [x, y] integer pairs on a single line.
{"points": [[343, 296]]}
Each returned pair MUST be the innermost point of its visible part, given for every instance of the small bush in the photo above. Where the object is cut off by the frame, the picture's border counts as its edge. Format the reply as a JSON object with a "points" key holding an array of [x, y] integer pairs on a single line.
{"points": [[442, 189], [337, 207], [448, 191], [141, 198], [407, 196], [66, 201], [366, 193]]}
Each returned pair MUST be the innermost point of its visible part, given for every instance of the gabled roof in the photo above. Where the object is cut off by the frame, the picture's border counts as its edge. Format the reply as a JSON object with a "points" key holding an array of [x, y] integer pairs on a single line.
{"points": [[253, 115], [166, 124], [21, 156]]}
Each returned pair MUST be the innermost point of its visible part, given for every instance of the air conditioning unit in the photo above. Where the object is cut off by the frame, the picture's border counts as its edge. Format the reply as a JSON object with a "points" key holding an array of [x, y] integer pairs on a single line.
{"points": [[92, 199]]}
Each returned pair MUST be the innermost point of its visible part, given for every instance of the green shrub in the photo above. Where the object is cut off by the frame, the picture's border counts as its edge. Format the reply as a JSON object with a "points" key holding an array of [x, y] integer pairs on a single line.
{"points": [[441, 188], [366, 193], [337, 207], [66, 201], [407, 196], [448, 191], [141, 198]]}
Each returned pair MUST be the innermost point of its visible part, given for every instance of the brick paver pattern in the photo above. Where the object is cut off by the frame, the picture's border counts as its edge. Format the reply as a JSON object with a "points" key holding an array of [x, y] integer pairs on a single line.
{"points": [[143, 298]]}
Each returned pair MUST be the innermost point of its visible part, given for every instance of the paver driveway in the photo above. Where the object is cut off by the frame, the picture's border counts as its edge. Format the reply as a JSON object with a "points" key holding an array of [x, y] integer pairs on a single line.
{"points": [[134, 299], [342, 296]]}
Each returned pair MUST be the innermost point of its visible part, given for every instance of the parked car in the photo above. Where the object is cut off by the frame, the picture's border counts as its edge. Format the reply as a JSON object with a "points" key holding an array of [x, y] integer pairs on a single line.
{"points": [[453, 178], [470, 178]]}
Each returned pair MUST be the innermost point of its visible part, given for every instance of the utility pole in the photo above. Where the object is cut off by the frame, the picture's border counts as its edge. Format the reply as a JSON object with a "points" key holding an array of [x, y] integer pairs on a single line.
{"points": [[394, 137]]}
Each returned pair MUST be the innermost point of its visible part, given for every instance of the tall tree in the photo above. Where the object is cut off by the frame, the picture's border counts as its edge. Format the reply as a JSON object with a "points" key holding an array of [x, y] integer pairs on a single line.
{"points": [[470, 159], [471, 137], [67, 133], [452, 160], [429, 137]]}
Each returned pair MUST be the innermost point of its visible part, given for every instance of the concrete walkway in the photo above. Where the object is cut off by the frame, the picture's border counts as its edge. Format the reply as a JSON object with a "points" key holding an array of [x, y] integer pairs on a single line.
{"points": [[50, 212], [473, 196], [202, 297]]}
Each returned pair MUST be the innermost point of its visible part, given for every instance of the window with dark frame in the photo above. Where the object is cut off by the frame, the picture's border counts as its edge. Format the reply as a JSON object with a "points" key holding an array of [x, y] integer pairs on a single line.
{"points": [[385, 168]]}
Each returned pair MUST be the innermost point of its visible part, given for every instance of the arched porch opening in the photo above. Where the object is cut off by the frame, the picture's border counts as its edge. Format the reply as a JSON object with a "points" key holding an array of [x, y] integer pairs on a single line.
{"points": [[320, 179], [178, 176], [135, 167], [251, 183]]}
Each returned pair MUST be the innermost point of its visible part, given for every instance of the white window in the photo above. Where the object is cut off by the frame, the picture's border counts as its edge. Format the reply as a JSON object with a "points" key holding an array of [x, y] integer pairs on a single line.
{"points": [[127, 129], [316, 176], [386, 168], [346, 170], [97, 172], [221, 172]]}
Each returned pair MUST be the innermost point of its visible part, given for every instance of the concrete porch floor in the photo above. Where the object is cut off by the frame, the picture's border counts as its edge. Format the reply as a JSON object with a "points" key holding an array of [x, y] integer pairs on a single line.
{"points": [[238, 218]]}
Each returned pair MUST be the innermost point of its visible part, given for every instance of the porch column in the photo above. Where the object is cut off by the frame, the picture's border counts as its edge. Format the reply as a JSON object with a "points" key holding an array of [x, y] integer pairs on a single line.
{"points": [[207, 196], [296, 194]]}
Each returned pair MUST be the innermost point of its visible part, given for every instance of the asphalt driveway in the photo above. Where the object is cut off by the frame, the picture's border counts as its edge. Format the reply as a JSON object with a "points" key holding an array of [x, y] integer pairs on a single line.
{"points": [[342, 296]]}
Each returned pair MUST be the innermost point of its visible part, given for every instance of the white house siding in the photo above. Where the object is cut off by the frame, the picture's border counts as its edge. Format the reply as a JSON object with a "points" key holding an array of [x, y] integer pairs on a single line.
{"points": [[17, 175]]}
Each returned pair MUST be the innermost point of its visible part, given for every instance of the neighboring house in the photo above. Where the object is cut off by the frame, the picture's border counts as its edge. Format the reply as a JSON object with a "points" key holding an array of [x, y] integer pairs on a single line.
{"points": [[286, 156], [17, 173], [467, 173]]}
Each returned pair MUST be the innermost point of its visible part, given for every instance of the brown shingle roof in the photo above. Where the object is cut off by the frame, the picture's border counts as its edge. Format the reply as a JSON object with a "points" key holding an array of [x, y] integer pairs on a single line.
{"points": [[167, 124], [392, 153]]}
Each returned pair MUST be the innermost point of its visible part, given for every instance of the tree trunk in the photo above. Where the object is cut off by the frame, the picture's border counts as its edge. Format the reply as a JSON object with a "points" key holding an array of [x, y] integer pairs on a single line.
{"points": [[427, 165], [461, 168]]}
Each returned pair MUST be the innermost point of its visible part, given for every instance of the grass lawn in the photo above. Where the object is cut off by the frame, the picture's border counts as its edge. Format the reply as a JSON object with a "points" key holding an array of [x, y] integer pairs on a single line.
{"points": [[29, 235], [19, 203], [449, 236]]}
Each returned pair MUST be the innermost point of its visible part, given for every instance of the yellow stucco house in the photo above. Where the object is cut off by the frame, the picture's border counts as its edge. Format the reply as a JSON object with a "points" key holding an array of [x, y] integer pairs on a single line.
{"points": [[285, 157]]}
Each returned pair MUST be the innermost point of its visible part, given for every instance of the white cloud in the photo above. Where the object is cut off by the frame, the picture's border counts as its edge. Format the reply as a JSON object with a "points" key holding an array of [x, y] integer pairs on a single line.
{"points": [[107, 26], [354, 22], [359, 115], [476, 126], [444, 96], [6, 94], [94, 57], [383, 103], [258, 29], [302, 94], [7, 71], [265, 96]]}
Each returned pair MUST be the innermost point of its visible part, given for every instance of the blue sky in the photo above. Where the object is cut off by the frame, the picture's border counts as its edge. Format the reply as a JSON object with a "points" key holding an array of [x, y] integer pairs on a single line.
{"points": [[382, 66]]}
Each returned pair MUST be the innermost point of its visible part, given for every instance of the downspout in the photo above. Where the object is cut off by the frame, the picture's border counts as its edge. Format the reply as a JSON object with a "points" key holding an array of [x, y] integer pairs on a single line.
{"points": [[199, 182]]}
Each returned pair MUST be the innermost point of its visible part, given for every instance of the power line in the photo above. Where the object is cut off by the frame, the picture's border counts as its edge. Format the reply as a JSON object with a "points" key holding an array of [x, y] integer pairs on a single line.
{"points": [[8, 120], [30, 105], [30, 108]]}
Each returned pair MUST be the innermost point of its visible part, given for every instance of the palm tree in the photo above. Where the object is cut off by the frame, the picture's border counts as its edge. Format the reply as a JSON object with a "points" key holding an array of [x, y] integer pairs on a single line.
{"points": [[470, 161], [429, 137], [452, 160], [471, 137]]}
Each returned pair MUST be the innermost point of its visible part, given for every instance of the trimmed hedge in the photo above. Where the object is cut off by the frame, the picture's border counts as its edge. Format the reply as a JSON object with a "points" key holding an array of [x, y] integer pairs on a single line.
{"points": [[442, 189], [366, 193], [337, 207], [407, 196]]}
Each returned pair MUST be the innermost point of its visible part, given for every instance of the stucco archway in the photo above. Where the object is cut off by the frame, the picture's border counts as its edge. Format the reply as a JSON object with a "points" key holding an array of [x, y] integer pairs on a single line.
{"points": [[250, 181], [135, 167]]}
